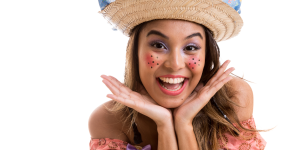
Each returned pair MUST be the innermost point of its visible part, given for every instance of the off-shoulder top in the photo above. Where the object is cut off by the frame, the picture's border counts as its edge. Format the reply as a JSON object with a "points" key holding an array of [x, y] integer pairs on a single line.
{"points": [[228, 142]]}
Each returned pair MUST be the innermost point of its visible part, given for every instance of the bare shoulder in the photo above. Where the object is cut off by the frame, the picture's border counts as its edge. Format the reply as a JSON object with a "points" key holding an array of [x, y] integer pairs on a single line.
{"points": [[242, 94], [105, 124]]}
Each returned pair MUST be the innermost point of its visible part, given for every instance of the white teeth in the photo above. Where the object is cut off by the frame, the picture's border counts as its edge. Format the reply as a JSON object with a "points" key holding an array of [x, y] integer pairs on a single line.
{"points": [[172, 80], [167, 80], [179, 87]]}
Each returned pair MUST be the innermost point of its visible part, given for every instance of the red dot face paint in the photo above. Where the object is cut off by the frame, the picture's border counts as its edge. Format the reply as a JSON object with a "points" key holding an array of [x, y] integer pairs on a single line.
{"points": [[152, 60], [193, 62]]}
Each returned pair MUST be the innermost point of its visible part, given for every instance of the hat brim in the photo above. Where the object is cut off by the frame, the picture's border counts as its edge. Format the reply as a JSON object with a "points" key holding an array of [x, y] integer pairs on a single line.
{"points": [[216, 15]]}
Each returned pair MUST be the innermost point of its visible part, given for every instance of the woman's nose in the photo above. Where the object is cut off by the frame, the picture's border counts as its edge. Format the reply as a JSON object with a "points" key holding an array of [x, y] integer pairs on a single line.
{"points": [[175, 61]]}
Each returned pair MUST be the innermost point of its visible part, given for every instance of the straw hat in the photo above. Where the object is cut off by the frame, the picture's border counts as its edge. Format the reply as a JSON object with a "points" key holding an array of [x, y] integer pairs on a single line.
{"points": [[220, 16]]}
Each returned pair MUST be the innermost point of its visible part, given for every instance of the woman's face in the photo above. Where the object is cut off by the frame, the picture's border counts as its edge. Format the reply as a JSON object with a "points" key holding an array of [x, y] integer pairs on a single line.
{"points": [[171, 57]]}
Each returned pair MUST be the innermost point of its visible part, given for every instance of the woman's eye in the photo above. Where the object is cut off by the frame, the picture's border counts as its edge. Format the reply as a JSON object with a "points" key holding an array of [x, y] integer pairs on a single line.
{"points": [[191, 48], [158, 45]]}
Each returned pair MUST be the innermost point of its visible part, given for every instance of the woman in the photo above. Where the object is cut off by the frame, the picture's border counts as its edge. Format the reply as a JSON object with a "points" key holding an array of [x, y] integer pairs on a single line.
{"points": [[176, 94]]}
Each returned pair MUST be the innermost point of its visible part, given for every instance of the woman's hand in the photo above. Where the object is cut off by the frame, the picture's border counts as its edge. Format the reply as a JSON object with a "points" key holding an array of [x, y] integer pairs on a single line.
{"points": [[142, 103], [185, 113]]}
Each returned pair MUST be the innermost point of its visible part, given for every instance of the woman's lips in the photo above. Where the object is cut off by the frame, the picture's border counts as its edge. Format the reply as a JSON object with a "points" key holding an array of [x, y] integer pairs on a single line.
{"points": [[173, 76], [172, 93]]}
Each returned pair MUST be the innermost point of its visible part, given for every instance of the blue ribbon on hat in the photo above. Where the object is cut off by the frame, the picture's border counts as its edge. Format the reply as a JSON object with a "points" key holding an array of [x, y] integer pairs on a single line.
{"points": [[235, 4], [104, 3]]}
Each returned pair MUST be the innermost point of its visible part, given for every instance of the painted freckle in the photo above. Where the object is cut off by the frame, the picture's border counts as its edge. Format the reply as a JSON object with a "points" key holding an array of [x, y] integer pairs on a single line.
{"points": [[151, 55], [157, 63], [198, 64], [194, 62], [199, 60], [151, 66], [192, 67], [148, 62], [152, 61], [193, 58], [189, 63]]}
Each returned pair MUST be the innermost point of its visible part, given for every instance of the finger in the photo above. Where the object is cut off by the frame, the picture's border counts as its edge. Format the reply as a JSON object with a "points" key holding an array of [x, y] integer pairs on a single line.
{"points": [[113, 80], [190, 97], [128, 94], [109, 78], [122, 90], [111, 87], [224, 75], [104, 76], [199, 86], [120, 86], [219, 85], [128, 102], [220, 71]]}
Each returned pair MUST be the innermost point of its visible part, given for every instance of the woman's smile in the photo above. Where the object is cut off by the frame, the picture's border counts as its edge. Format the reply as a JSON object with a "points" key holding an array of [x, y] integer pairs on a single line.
{"points": [[172, 84]]}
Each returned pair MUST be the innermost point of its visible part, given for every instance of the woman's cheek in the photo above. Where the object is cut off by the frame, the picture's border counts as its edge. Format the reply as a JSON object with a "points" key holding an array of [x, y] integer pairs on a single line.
{"points": [[152, 60], [193, 63]]}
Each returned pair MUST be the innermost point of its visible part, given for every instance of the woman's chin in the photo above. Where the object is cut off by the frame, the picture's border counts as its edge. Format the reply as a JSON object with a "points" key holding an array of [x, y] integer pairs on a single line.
{"points": [[170, 104]]}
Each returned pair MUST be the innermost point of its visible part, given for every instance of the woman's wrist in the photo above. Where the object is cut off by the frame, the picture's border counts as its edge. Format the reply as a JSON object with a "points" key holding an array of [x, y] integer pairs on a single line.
{"points": [[180, 122], [166, 136], [165, 127], [183, 126], [186, 136], [166, 123], [165, 119]]}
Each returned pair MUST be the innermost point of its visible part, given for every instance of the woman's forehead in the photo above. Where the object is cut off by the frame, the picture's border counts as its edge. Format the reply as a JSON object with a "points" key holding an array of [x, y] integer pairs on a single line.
{"points": [[173, 28], [173, 25]]}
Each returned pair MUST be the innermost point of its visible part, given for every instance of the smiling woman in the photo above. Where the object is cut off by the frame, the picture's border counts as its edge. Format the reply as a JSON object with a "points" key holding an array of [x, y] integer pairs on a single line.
{"points": [[176, 94]]}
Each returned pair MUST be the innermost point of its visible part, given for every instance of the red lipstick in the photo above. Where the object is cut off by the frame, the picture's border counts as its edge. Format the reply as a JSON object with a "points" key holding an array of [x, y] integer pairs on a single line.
{"points": [[173, 76], [173, 93]]}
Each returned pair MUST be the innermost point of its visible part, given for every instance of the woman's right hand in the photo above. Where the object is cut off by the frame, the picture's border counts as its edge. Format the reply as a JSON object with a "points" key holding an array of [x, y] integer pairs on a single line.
{"points": [[140, 102]]}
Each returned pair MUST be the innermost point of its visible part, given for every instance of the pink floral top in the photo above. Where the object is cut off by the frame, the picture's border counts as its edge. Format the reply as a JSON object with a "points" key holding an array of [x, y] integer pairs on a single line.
{"points": [[107, 144], [253, 141]]}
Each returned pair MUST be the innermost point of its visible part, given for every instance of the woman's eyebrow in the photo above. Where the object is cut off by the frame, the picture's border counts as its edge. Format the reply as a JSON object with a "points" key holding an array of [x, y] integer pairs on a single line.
{"points": [[157, 33], [164, 36], [194, 34]]}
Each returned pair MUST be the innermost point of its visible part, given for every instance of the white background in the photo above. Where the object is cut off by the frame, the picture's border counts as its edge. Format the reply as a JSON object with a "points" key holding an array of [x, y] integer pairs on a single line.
{"points": [[52, 54]]}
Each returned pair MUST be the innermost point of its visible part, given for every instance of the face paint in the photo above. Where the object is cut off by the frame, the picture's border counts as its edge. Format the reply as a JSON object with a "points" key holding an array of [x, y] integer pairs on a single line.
{"points": [[152, 60], [193, 62]]}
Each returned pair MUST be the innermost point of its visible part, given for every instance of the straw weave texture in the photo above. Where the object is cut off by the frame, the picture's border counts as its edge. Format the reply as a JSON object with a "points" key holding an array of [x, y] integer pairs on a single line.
{"points": [[216, 15]]}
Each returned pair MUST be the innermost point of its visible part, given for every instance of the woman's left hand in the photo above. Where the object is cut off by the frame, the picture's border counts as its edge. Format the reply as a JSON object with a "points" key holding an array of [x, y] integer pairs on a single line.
{"points": [[185, 113]]}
